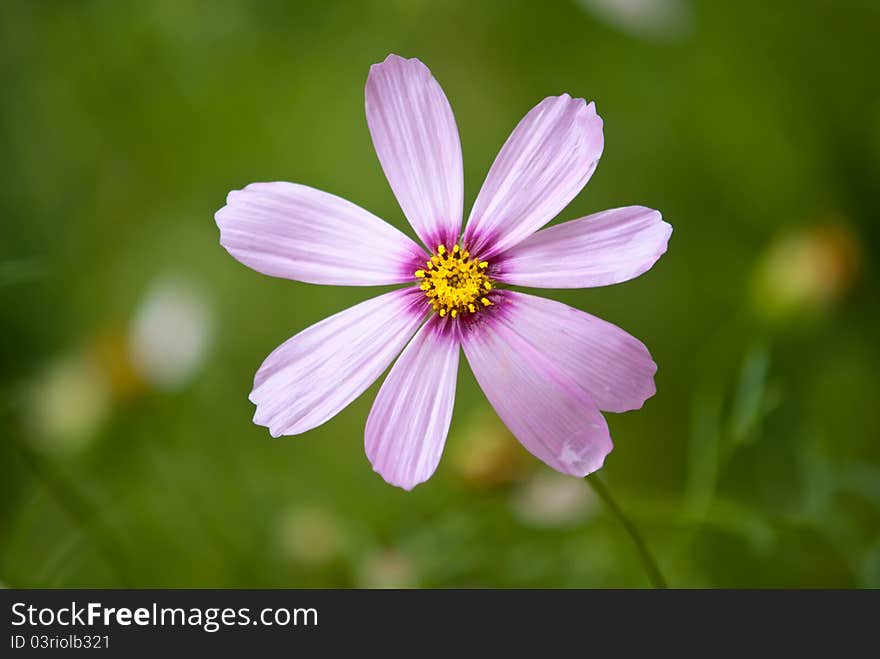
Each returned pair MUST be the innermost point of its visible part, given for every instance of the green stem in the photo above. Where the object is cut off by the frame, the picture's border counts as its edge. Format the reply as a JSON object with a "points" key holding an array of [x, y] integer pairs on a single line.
{"points": [[648, 561]]}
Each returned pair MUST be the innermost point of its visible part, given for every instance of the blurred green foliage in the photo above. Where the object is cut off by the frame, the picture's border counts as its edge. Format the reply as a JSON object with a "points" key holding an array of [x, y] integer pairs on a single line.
{"points": [[754, 127]]}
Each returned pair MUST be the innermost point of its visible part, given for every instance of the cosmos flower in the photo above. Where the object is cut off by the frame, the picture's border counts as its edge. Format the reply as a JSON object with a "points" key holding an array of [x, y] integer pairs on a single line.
{"points": [[546, 368]]}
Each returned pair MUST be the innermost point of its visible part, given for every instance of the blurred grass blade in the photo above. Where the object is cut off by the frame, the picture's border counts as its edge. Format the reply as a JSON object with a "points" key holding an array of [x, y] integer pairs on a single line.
{"points": [[748, 404], [704, 450]]}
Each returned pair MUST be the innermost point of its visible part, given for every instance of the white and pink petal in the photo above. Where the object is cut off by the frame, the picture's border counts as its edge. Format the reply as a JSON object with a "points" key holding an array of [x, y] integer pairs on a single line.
{"points": [[614, 367], [314, 375], [416, 138], [605, 248], [543, 165], [545, 409], [409, 421], [297, 232]]}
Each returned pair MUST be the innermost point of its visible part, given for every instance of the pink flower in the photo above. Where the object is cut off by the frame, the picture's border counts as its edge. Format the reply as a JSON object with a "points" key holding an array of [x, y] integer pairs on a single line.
{"points": [[546, 368]]}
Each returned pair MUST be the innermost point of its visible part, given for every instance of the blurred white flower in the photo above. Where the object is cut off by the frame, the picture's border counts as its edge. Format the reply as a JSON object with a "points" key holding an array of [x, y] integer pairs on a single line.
{"points": [[171, 333], [552, 499], [646, 19], [311, 536], [68, 403], [388, 568]]}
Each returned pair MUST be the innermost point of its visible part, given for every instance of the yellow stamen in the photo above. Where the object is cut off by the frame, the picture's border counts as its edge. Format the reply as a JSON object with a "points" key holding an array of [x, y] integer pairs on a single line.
{"points": [[454, 283]]}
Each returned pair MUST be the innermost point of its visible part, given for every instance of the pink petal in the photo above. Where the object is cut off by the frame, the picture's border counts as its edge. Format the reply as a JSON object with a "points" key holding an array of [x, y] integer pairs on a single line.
{"points": [[544, 164], [311, 377], [615, 368], [597, 250], [545, 409], [296, 232], [407, 427], [416, 139]]}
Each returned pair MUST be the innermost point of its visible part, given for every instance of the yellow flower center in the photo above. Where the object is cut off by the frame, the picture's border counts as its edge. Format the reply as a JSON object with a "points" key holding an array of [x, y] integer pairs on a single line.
{"points": [[454, 282]]}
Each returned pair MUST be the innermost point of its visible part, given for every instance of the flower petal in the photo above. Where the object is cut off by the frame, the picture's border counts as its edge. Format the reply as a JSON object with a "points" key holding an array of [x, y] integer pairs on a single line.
{"points": [[544, 164], [407, 427], [547, 411], [597, 250], [615, 368], [296, 232], [311, 377], [416, 139]]}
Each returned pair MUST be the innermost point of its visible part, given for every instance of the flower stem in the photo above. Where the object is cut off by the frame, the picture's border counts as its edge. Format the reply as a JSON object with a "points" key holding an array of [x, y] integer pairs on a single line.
{"points": [[648, 561]]}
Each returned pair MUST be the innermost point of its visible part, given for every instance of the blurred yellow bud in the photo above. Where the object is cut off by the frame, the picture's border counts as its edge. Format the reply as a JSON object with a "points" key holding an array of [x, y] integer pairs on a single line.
{"points": [[488, 455], [805, 272]]}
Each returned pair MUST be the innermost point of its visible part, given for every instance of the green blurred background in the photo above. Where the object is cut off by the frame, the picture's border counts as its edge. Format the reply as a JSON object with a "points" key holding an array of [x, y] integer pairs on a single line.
{"points": [[129, 337]]}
